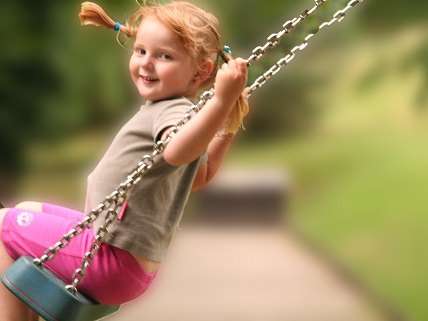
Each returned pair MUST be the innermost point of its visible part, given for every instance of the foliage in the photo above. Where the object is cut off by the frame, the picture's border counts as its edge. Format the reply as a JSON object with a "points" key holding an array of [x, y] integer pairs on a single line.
{"points": [[59, 78]]}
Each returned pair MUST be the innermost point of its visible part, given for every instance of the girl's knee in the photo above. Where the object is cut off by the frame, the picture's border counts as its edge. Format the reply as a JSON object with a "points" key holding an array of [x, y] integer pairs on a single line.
{"points": [[30, 206], [3, 212]]}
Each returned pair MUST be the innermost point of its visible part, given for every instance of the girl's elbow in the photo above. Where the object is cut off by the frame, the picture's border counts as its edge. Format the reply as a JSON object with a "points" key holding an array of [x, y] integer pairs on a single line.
{"points": [[172, 158], [177, 157]]}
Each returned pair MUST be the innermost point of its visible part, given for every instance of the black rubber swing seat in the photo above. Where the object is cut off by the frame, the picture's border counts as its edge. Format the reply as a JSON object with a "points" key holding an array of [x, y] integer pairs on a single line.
{"points": [[43, 292]]}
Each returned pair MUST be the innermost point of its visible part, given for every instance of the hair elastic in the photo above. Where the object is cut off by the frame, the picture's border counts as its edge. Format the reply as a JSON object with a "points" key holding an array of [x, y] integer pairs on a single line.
{"points": [[227, 49], [117, 26]]}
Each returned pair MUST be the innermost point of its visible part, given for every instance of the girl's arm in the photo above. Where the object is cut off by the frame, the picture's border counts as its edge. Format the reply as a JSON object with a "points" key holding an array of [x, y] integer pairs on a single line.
{"points": [[196, 136], [217, 149]]}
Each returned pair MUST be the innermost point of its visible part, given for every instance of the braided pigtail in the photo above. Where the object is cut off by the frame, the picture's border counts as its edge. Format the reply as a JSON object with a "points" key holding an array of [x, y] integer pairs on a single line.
{"points": [[241, 108], [91, 14]]}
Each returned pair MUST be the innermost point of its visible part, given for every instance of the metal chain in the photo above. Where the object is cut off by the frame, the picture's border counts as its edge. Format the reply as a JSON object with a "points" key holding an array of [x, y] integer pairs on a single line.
{"points": [[275, 68], [113, 202], [274, 39]]}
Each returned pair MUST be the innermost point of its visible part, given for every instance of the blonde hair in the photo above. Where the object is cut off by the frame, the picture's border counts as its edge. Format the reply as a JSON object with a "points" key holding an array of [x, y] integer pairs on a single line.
{"points": [[197, 29]]}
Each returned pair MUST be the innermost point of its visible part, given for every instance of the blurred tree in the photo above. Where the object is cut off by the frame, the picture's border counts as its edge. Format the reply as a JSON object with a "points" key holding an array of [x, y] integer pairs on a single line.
{"points": [[27, 77], [384, 18], [56, 78], [387, 16], [419, 60]]}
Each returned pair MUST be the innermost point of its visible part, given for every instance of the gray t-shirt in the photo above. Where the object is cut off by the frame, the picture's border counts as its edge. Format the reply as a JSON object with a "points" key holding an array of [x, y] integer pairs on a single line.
{"points": [[156, 203]]}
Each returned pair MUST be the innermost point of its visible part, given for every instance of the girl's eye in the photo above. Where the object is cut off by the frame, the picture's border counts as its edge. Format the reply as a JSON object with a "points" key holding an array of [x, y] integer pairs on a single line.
{"points": [[165, 56], [140, 51]]}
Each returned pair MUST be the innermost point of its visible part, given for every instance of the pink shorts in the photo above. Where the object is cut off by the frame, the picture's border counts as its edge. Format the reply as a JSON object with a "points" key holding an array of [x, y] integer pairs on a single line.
{"points": [[114, 276]]}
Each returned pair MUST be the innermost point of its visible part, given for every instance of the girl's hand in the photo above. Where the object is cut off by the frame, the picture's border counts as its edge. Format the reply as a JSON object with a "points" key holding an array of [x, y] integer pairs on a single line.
{"points": [[230, 81]]}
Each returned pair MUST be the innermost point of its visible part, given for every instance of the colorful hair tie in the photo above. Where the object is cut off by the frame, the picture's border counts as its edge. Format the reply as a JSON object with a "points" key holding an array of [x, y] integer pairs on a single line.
{"points": [[117, 26], [227, 49]]}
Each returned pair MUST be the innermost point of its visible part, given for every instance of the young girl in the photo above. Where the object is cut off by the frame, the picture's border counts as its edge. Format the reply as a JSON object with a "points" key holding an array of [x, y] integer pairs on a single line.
{"points": [[175, 55]]}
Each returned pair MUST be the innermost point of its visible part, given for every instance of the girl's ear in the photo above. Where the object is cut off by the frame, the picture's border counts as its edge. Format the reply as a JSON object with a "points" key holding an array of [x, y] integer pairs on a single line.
{"points": [[205, 70]]}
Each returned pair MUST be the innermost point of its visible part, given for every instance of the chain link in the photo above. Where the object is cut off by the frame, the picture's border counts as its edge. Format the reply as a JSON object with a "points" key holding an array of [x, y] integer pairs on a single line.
{"points": [[113, 202], [272, 71], [274, 39]]}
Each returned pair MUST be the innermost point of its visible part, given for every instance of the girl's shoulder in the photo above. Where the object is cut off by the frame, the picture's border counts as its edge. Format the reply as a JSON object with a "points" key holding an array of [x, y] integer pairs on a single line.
{"points": [[175, 101]]}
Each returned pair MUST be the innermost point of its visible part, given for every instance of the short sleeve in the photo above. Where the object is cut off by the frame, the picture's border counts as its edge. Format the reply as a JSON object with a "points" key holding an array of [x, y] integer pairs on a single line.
{"points": [[170, 114]]}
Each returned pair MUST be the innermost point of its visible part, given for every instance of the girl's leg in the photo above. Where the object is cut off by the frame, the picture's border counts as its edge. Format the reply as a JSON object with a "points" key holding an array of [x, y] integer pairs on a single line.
{"points": [[25, 313], [114, 276], [36, 207], [47, 208], [11, 308]]}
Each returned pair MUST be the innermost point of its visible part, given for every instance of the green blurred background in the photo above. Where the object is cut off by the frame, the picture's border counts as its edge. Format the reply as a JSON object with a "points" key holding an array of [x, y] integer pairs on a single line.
{"points": [[347, 119]]}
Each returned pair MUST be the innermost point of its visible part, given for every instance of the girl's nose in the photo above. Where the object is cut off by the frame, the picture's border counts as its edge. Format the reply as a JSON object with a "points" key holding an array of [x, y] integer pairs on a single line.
{"points": [[146, 62]]}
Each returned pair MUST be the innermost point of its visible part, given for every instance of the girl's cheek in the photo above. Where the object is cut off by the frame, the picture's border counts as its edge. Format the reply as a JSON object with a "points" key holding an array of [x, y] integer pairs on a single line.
{"points": [[131, 63], [133, 60]]}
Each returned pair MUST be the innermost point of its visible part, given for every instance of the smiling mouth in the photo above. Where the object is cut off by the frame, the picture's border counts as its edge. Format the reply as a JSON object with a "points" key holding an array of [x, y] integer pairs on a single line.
{"points": [[148, 79]]}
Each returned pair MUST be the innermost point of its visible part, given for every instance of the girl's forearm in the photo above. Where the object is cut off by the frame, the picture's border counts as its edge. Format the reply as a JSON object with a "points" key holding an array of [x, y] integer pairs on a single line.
{"points": [[217, 149], [193, 139]]}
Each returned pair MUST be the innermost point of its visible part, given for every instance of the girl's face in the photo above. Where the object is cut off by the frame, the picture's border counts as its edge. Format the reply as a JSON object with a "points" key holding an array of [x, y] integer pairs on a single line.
{"points": [[160, 67]]}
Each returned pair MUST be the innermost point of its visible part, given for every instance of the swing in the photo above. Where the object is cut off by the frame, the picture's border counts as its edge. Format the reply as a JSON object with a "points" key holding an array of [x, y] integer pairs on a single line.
{"points": [[49, 296]]}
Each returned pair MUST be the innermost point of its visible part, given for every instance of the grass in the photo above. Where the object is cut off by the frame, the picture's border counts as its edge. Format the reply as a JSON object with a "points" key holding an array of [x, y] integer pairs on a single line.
{"points": [[363, 198]]}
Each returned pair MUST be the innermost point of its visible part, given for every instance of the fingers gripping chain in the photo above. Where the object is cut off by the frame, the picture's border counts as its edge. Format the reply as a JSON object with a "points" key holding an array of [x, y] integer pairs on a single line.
{"points": [[113, 202]]}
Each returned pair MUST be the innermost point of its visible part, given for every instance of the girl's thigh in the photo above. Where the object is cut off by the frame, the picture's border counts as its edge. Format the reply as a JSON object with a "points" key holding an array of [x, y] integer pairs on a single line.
{"points": [[3, 212], [31, 233]]}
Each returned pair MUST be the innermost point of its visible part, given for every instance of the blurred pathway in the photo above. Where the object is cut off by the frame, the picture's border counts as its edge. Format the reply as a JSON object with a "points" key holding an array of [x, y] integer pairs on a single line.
{"points": [[244, 274]]}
